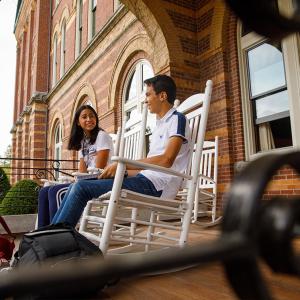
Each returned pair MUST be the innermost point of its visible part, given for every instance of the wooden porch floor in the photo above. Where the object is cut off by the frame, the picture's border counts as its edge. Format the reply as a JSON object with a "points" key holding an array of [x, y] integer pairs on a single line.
{"points": [[205, 282]]}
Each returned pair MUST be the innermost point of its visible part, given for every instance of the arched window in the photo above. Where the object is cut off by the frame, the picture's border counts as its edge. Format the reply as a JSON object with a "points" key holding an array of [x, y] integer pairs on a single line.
{"points": [[268, 75], [57, 144], [63, 48], [92, 19], [79, 27], [54, 60], [135, 89]]}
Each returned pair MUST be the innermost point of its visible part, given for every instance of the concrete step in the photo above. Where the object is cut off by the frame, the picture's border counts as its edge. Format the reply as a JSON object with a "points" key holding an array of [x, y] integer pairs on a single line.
{"points": [[19, 223]]}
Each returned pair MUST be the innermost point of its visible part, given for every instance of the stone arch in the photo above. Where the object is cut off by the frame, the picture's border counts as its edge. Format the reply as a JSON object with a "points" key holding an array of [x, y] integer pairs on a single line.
{"points": [[140, 43], [56, 31], [64, 16], [160, 28], [86, 89], [57, 118]]}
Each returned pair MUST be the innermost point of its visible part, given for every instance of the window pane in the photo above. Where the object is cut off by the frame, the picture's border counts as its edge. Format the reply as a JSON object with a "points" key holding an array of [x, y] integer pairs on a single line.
{"points": [[266, 69], [57, 134], [146, 73], [272, 104], [132, 87], [282, 133]]}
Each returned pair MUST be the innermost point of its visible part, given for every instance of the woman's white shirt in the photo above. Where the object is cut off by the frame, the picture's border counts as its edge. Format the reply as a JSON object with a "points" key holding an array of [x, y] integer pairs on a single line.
{"points": [[89, 151]]}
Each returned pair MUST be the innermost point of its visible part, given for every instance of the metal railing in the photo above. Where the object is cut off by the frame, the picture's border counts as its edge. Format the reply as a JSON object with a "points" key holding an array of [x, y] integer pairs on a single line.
{"points": [[21, 200], [37, 167]]}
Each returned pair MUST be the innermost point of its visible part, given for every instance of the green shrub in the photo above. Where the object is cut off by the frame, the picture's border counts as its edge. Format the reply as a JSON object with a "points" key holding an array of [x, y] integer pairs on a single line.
{"points": [[4, 184], [22, 198]]}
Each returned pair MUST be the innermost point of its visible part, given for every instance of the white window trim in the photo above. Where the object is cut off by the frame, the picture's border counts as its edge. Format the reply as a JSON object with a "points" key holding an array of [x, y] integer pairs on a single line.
{"points": [[291, 49], [63, 48], [139, 99], [290, 46], [78, 33], [58, 145], [127, 106], [54, 62], [92, 5]]}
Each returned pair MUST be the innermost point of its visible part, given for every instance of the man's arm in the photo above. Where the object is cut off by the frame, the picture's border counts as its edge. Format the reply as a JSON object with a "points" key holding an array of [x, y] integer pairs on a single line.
{"points": [[164, 160]]}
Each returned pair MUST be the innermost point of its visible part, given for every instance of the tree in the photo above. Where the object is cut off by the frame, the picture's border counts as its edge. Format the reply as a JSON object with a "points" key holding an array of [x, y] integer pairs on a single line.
{"points": [[4, 184], [6, 163]]}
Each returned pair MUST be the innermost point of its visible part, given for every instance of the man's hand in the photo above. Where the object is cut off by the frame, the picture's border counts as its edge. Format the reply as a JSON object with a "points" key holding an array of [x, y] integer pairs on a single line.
{"points": [[109, 171]]}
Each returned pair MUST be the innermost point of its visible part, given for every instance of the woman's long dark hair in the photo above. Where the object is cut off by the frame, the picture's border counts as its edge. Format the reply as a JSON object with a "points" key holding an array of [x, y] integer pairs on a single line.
{"points": [[77, 133]]}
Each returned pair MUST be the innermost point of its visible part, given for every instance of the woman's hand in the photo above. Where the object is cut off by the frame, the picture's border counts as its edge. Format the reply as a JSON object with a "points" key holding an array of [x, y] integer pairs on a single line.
{"points": [[109, 171]]}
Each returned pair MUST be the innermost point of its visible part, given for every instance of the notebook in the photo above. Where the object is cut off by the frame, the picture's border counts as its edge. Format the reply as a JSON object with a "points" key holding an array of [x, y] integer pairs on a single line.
{"points": [[87, 176]]}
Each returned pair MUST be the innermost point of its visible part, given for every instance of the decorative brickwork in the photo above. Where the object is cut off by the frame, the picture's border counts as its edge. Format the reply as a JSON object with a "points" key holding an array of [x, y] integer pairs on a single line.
{"points": [[182, 21], [204, 20]]}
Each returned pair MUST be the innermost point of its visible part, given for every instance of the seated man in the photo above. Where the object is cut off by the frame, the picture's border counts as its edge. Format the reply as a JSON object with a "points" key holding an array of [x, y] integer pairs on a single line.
{"points": [[170, 147]]}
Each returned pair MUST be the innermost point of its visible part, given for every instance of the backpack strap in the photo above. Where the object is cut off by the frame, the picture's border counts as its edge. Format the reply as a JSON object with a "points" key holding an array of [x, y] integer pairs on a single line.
{"points": [[5, 226]]}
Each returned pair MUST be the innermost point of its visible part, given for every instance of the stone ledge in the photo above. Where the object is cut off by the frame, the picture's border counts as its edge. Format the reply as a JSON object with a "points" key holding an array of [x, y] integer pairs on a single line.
{"points": [[19, 223]]}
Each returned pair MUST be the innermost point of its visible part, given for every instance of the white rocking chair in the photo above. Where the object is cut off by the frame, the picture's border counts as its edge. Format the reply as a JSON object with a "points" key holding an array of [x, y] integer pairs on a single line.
{"points": [[132, 140], [205, 204], [196, 110]]}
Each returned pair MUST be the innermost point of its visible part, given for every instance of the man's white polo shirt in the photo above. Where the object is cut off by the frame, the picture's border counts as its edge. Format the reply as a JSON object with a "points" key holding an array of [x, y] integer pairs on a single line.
{"points": [[172, 124]]}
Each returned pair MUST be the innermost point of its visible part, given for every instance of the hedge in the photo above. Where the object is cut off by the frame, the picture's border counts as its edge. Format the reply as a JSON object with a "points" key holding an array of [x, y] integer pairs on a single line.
{"points": [[22, 198]]}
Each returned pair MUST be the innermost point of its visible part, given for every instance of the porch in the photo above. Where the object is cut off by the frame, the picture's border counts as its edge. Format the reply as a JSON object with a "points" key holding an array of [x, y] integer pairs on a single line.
{"points": [[202, 283]]}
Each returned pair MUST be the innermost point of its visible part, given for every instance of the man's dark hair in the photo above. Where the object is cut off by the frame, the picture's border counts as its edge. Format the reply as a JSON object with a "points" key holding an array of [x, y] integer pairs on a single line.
{"points": [[163, 83]]}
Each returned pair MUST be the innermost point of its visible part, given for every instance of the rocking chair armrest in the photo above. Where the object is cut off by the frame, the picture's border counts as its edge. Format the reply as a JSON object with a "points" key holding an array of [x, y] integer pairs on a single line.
{"points": [[150, 167], [206, 178]]}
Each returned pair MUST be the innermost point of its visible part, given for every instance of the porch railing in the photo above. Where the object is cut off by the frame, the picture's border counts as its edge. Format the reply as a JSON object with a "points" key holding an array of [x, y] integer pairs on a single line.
{"points": [[23, 200], [37, 168]]}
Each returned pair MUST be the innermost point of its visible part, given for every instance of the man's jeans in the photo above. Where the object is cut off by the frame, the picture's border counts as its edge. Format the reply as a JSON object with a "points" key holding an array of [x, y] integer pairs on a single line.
{"points": [[81, 192]]}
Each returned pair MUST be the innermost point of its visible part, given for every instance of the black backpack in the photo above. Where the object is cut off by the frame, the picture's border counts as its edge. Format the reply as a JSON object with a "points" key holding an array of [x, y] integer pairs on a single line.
{"points": [[58, 244]]}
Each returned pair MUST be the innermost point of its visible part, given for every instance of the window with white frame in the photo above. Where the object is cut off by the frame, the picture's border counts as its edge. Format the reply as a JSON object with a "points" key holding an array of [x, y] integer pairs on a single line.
{"points": [[57, 145], [270, 89], [79, 27], [63, 48], [135, 89], [54, 60], [92, 19]]}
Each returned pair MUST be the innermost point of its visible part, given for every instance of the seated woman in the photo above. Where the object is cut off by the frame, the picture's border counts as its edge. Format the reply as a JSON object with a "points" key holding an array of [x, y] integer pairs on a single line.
{"points": [[95, 149]]}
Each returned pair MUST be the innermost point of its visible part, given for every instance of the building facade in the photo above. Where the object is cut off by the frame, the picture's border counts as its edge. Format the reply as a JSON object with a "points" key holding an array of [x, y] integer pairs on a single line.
{"points": [[71, 52]]}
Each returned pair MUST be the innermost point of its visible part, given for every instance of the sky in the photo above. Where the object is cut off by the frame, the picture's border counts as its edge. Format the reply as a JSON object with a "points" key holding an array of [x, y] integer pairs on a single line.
{"points": [[7, 70]]}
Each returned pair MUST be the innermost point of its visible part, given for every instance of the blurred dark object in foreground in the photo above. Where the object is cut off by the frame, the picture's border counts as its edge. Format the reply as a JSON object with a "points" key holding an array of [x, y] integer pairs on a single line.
{"points": [[264, 17], [252, 231]]}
